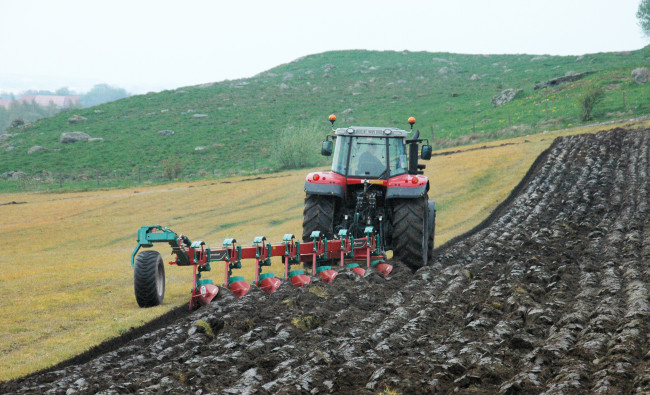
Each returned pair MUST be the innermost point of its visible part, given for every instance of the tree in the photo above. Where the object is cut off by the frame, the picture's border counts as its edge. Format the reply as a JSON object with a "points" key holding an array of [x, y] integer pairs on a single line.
{"points": [[643, 15], [102, 93], [64, 91]]}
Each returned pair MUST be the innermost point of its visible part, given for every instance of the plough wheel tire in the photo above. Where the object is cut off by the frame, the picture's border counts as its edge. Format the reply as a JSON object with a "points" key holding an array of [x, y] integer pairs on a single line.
{"points": [[149, 279], [318, 215], [410, 236]]}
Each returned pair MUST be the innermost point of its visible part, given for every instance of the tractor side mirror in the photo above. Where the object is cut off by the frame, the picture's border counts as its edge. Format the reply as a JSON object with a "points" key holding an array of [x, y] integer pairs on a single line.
{"points": [[326, 148], [426, 152]]}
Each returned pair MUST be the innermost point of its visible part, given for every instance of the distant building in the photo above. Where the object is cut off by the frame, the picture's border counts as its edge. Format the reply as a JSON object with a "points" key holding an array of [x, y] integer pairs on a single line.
{"points": [[43, 100]]}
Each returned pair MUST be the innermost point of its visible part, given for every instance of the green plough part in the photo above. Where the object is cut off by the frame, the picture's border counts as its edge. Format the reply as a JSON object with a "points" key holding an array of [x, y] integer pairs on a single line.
{"points": [[148, 235]]}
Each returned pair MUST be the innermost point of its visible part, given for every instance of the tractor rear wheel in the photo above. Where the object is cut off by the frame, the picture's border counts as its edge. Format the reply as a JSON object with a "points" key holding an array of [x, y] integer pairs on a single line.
{"points": [[410, 232], [318, 215], [432, 237], [149, 279]]}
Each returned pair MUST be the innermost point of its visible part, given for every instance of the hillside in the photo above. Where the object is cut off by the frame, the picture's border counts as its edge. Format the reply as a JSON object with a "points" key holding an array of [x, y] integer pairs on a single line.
{"points": [[234, 123]]}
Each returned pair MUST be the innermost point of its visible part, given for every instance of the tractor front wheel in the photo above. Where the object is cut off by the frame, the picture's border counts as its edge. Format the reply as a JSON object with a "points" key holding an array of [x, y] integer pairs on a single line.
{"points": [[410, 232], [149, 279]]}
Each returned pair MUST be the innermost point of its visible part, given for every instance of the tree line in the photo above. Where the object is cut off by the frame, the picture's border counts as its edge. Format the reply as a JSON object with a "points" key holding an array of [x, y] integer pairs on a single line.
{"points": [[21, 112]]}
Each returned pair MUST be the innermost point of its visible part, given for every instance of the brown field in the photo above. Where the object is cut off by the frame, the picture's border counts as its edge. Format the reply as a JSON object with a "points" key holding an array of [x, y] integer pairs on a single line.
{"points": [[65, 278]]}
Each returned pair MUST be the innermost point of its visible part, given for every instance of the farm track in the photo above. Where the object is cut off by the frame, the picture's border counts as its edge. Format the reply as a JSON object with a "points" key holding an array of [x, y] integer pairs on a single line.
{"points": [[549, 295]]}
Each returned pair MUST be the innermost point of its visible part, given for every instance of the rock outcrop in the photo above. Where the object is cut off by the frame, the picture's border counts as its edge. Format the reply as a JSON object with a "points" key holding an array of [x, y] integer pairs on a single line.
{"points": [[505, 96], [570, 76], [73, 137], [641, 75]]}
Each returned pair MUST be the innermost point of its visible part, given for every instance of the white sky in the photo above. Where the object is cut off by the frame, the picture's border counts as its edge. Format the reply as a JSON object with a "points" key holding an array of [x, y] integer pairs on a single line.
{"points": [[153, 45]]}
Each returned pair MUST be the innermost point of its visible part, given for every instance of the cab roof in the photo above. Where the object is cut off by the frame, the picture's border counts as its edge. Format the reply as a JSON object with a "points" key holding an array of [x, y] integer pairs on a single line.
{"points": [[368, 131]]}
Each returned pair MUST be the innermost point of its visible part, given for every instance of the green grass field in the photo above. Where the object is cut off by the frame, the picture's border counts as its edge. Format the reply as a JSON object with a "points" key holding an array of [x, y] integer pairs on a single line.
{"points": [[240, 121], [65, 279]]}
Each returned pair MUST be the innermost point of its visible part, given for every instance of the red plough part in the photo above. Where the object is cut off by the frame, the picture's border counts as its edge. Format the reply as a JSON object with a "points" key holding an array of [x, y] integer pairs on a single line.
{"points": [[320, 252]]}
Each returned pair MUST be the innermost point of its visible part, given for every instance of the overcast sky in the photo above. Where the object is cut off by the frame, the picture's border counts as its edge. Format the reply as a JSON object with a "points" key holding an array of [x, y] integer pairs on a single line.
{"points": [[154, 45]]}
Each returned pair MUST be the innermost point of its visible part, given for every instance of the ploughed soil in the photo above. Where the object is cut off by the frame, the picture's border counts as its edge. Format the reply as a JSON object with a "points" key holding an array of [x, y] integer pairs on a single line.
{"points": [[551, 294]]}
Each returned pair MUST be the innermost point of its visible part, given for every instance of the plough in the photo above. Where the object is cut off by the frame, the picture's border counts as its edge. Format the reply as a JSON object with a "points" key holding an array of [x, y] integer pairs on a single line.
{"points": [[346, 252], [374, 199]]}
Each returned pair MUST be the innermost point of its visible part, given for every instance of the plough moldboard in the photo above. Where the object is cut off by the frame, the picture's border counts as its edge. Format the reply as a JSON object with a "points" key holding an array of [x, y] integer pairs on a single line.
{"points": [[327, 257]]}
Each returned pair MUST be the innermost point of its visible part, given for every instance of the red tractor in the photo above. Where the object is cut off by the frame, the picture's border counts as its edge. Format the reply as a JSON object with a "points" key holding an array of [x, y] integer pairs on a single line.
{"points": [[375, 181]]}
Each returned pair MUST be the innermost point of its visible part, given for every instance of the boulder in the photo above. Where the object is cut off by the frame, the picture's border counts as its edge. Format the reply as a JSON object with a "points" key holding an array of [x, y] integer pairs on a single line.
{"points": [[475, 77], [200, 148], [348, 111], [10, 148], [73, 137], [505, 96], [95, 139], [6, 136], [538, 58], [36, 148], [641, 75], [13, 175], [446, 70], [165, 132], [200, 116], [77, 119]]}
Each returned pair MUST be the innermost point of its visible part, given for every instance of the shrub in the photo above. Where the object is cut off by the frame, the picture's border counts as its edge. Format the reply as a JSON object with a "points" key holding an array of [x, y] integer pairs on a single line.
{"points": [[17, 122], [589, 100], [172, 168], [299, 147]]}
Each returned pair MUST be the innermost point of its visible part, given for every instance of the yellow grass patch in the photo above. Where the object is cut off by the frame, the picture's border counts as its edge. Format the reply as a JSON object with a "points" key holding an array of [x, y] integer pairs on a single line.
{"points": [[65, 279]]}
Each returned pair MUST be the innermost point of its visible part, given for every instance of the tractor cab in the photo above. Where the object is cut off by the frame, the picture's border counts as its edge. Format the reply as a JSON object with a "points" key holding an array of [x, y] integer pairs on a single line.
{"points": [[375, 153], [369, 153]]}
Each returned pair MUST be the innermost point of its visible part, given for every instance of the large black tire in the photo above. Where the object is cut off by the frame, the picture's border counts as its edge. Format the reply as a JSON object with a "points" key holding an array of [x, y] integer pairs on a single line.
{"points": [[149, 279], [432, 237], [410, 232], [318, 215]]}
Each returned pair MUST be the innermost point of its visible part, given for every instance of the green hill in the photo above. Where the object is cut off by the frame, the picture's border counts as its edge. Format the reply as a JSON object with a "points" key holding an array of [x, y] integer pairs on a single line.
{"points": [[234, 124]]}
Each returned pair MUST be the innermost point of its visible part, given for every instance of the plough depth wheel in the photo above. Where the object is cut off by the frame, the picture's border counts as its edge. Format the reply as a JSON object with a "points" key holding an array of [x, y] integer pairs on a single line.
{"points": [[149, 279]]}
